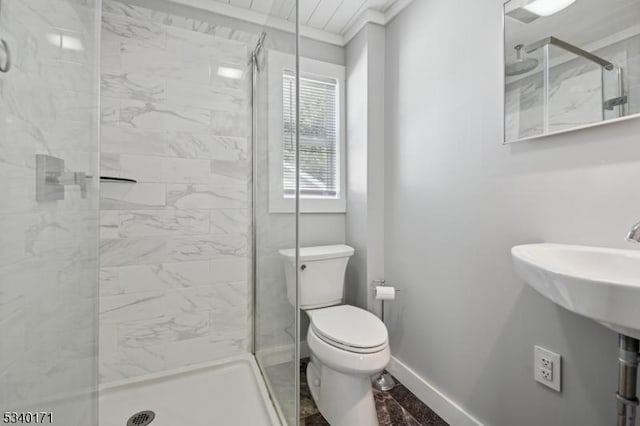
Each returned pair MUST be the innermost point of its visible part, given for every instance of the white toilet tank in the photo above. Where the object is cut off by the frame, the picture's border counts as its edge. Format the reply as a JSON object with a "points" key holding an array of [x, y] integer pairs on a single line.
{"points": [[322, 271]]}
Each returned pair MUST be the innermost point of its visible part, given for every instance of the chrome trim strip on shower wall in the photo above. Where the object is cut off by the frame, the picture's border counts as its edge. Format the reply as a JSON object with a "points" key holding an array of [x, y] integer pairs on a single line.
{"points": [[255, 69], [296, 361], [546, 86], [570, 48], [254, 125]]}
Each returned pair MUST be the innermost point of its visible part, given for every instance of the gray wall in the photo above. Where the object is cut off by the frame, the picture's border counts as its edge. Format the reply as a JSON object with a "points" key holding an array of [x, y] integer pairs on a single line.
{"points": [[365, 164], [457, 200]]}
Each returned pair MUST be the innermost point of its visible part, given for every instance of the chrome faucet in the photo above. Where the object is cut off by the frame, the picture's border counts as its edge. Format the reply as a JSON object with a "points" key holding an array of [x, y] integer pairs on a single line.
{"points": [[634, 234]]}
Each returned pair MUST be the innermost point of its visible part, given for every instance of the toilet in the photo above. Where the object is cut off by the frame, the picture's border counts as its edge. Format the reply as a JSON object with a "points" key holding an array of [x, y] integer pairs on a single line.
{"points": [[348, 345]]}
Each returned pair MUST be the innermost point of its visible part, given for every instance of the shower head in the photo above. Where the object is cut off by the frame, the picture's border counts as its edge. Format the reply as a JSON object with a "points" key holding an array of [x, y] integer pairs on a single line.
{"points": [[520, 65]]}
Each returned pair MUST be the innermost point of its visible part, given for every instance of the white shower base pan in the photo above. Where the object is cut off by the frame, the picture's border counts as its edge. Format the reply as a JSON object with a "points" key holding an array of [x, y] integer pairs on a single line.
{"points": [[230, 392]]}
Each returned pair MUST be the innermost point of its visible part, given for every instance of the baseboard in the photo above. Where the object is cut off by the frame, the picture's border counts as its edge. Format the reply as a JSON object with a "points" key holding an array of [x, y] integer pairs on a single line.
{"points": [[443, 405]]}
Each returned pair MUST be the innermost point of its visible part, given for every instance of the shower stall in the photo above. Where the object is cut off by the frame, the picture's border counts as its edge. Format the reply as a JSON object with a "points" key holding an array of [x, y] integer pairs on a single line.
{"points": [[139, 270]]}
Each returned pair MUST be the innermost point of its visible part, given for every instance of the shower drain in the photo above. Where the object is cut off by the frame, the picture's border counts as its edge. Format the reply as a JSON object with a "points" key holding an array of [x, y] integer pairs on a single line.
{"points": [[143, 418]]}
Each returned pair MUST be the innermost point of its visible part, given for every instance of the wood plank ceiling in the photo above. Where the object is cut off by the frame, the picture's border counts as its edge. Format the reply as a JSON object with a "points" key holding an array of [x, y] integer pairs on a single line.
{"points": [[332, 16]]}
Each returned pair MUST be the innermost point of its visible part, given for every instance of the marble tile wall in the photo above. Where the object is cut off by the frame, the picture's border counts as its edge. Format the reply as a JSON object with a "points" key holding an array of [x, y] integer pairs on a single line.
{"points": [[575, 94], [175, 247], [49, 251]]}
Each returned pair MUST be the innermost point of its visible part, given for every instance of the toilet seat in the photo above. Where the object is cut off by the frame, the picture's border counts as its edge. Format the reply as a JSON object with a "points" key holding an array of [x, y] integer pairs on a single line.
{"points": [[349, 328], [347, 361]]}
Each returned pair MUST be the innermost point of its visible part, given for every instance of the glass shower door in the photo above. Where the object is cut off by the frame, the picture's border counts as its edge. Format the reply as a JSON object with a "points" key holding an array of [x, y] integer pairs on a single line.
{"points": [[276, 318], [48, 211]]}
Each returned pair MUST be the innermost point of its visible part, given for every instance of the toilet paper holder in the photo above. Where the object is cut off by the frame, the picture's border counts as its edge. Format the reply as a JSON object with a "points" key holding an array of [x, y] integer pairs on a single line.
{"points": [[376, 283], [383, 381], [383, 282]]}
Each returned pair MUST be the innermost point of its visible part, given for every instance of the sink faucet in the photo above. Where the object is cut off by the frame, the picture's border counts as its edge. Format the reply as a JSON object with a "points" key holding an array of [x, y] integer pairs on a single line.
{"points": [[634, 234]]}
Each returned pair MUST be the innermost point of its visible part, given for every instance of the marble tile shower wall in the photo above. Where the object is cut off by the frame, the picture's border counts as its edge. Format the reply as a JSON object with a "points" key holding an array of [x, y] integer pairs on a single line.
{"points": [[49, 251], [175, 247]]}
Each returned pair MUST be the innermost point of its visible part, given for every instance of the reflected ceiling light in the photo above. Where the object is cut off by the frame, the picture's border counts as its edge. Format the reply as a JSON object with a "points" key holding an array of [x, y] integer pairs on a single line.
{"points": [[66, 42], [548, 7], [228, 72]]}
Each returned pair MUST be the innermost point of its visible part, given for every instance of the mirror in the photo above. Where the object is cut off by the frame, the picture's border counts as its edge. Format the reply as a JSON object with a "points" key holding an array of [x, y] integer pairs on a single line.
{"points": [[569, 64]]}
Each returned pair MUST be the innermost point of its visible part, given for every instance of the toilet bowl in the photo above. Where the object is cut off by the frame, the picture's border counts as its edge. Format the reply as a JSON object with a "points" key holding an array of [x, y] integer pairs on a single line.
{"points": [[348, 345]]}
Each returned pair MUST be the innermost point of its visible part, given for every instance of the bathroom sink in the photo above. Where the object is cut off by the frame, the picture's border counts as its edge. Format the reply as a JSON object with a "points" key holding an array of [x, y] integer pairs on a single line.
{"points": [[599, 283]]}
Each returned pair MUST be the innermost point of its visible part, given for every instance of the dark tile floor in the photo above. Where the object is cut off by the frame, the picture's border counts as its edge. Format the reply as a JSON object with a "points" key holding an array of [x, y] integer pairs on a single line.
{"points": [[398, 407]]}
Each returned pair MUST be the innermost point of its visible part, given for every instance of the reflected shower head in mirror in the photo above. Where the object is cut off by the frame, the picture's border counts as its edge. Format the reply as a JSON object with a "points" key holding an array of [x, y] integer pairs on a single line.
{"points": [[520, 65]]}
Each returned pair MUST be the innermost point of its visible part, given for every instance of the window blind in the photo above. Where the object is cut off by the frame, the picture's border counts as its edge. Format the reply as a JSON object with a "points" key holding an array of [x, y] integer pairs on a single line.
{"points": [[319, 128]]}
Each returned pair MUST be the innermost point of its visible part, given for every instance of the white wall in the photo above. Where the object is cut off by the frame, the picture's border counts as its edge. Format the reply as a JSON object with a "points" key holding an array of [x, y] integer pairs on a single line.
{"points": [[457, 200]]}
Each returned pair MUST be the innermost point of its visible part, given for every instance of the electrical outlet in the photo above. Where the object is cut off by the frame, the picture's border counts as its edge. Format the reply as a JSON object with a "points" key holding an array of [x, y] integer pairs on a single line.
{"points": [[547, 368], [547, 374]]}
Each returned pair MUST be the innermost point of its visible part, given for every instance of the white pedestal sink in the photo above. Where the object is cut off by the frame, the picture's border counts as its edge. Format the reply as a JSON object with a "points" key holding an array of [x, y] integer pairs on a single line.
{"points": [[599, 283]]}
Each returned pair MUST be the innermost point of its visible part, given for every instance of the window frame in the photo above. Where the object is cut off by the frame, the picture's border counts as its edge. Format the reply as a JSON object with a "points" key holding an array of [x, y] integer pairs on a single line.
{"points": [[278, 63]]}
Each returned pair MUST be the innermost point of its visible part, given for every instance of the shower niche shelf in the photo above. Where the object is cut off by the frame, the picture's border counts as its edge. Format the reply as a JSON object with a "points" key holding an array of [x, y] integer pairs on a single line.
{"points": [[114, 179]]}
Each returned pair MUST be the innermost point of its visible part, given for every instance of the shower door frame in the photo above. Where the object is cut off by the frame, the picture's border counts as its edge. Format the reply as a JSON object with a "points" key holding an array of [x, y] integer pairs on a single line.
{"points": [[255, 70]]}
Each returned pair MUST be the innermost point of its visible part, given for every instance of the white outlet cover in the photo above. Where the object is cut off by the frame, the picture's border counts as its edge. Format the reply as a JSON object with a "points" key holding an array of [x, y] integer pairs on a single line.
{"points": [[540, 355]]}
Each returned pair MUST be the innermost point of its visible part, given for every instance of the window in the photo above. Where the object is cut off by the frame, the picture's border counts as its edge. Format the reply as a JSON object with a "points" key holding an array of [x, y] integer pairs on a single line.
{"points": [[322, 159], [318, 137]]}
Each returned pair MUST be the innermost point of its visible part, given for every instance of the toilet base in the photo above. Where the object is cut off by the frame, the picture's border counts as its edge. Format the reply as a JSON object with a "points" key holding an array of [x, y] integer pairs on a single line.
{"points": [[343, 400], [384, 382]]}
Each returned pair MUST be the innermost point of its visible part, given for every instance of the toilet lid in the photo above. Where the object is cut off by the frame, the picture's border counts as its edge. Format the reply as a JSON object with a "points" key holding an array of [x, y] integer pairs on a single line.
{"points": [[349, 326]]}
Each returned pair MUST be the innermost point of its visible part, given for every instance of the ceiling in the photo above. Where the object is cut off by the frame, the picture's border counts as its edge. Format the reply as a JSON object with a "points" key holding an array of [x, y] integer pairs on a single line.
{"points": [[332, 21], [333, 16]]}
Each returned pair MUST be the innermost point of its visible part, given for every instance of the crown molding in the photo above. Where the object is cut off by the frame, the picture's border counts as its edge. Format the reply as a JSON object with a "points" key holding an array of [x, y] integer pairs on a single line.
{"points": [[258, 18], [368, 16], [371, 16], [395, 9]]}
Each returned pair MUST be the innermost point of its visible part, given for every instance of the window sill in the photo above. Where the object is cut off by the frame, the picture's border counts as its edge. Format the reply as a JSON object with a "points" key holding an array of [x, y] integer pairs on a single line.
{"points": [[308, 205]]}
